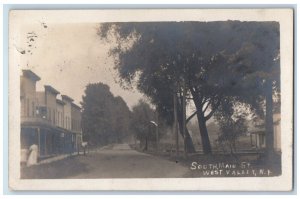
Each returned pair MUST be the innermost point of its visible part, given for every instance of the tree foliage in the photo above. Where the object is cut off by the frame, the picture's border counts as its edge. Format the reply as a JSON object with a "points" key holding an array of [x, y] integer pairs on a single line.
{"points": [[143, 130], [232, 123], [214, 60], [105, 118]]}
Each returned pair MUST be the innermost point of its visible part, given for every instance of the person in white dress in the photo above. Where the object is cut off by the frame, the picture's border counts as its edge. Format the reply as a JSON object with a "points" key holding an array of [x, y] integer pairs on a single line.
{"points": [[33, 155]]}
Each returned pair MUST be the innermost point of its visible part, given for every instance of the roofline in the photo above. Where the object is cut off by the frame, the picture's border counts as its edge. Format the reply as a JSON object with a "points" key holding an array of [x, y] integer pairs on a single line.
{"points": [[76, 106], [31, 75], [67, 98], [51, 89], [60, 102]]}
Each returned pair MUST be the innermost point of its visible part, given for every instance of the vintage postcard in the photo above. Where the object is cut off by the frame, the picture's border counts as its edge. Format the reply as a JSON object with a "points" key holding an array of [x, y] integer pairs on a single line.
{"points": [[151, 99]]}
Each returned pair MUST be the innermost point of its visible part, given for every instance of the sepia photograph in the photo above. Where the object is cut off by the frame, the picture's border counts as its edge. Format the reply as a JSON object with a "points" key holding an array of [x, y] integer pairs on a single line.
{"points": [[191, 99]]}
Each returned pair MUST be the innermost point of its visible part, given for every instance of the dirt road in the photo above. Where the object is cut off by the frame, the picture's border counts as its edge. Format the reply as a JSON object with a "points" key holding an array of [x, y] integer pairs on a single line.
{"points": [[117, 161]]}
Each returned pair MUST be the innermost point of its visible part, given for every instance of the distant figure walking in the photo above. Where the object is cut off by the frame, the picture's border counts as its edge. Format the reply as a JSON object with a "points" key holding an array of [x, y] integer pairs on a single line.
{"points": [[84, 145], [33, 155]]}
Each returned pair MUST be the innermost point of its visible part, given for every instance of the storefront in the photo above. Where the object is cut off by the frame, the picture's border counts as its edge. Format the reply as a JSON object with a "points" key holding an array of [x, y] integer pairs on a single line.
{"points": [[51, 141]]}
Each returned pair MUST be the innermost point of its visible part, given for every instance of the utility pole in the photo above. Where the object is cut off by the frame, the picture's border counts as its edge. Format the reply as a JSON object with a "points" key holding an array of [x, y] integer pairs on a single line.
{"points": [[184, 118], [156, 129], [175, 122]]}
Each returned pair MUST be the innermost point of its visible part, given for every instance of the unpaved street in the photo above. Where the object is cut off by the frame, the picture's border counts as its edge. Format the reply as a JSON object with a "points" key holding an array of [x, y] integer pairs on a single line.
{"points": [[117, 161]]}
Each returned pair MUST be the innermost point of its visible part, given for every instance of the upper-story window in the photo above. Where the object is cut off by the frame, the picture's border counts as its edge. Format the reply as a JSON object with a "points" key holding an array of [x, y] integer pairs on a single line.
{"points": [[58, 113], [27, 106], [49, 114], [62, 119], [73, 124], [41, 111], [69, 123], [33, 109], [53, 114]]}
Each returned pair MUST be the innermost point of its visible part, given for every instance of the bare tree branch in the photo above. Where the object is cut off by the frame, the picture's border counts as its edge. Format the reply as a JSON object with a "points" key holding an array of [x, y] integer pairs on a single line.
{"points": [[212, 111], [209, 115], [191, 116], [207, 105]]}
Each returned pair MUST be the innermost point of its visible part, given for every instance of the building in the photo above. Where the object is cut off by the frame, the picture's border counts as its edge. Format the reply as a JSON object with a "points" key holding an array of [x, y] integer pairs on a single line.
{"points": [[46, 120], [76, 123], [258, 137]]}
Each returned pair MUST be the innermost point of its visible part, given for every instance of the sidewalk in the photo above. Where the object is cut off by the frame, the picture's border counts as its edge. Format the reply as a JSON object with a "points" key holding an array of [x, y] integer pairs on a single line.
{"points": [[58, 157], [63, 156]]}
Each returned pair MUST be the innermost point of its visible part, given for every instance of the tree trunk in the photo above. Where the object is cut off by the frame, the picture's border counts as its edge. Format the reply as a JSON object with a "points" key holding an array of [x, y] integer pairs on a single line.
{"points": [[189, 141], [203, 133], [269, 119], [202, 124]]}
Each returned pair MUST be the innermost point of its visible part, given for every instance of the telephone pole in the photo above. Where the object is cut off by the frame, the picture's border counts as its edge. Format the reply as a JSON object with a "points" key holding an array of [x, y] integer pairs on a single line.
{"points": [[175, 122], [184, 118]]}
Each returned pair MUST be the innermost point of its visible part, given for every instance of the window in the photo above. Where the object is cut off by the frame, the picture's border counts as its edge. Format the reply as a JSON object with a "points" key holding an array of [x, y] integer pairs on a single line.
{"points": [[56, 116], [68, 123], [58, 113], [41, 111], [27, 106], [53, 114], [62, 119], [33, 109]]}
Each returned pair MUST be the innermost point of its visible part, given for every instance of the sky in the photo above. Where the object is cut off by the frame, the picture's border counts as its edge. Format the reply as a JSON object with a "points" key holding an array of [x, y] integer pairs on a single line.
{"points": [[68, 56]]}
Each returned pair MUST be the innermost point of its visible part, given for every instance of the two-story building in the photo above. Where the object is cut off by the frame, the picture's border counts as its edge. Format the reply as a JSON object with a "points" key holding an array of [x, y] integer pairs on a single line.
{"points": [[76, 123], [46, 120]]}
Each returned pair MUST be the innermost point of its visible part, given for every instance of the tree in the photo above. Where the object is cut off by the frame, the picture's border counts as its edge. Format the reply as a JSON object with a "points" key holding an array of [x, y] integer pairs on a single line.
{"points": [[232, 122], [121, 119], [142, 114], [258, 63], [205, 57], [105, 118]]}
